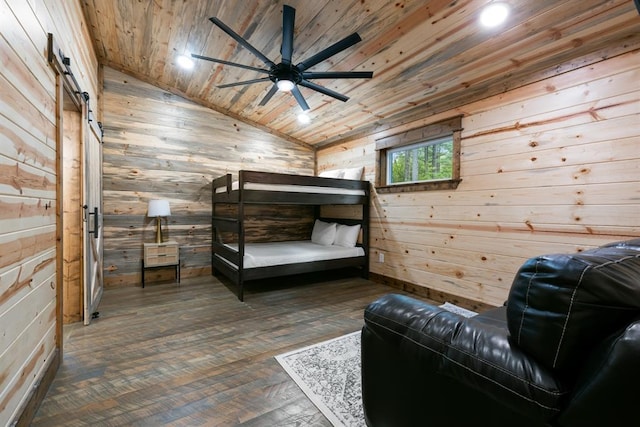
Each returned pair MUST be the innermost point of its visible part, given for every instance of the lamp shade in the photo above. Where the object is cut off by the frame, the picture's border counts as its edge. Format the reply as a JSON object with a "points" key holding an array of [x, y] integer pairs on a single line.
{"points": [[158, 208]]}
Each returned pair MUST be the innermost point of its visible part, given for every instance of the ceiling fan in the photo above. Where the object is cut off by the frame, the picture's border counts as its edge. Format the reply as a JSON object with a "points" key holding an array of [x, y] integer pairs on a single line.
{"points": [[286, 76]]}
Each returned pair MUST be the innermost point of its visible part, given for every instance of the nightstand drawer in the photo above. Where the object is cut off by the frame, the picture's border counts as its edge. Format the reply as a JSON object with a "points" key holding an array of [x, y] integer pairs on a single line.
{"points": [[156, 254], [161, 259]]}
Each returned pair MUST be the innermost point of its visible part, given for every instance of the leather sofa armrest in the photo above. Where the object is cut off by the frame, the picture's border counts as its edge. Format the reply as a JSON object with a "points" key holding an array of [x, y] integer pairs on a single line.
{"points": [[401, 320], [475, 352]]}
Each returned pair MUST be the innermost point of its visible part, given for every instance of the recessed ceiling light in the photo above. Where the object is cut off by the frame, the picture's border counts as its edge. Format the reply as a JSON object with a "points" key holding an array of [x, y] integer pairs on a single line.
{"points": [[304, 118], [494, 14], [185, 62]]}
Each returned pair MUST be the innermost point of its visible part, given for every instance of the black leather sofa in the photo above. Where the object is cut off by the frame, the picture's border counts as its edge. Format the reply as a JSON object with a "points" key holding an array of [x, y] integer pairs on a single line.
{"points": [[564, 350]]}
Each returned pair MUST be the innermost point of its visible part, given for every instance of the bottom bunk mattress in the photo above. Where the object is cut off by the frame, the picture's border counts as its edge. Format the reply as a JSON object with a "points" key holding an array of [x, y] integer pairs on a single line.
{"points": [[292, 252]]}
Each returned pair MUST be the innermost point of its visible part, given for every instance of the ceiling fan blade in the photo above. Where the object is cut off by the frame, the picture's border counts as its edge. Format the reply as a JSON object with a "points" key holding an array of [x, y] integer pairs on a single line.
{"points": [[234, 64], [269, 95], [288, 20], [242, 41], [324, 90], [298, 96], [338, 75], [329, 52], [246, 82]]}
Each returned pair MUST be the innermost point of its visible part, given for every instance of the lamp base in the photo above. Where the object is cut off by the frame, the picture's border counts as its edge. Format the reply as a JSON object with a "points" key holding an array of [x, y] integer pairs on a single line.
{"points": [[158, 230]]}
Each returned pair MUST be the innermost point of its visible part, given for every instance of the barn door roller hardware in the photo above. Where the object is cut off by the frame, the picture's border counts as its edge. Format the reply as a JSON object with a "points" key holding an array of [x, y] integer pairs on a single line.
{"points": [[57, 58]]}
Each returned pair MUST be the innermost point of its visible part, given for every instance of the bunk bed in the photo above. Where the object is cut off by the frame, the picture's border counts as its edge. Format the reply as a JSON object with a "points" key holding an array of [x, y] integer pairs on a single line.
{"points": [[240, 260]]}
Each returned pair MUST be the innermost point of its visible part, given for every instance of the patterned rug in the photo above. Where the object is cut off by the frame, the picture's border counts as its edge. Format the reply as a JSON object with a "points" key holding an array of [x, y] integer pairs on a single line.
{"points": [[329, 374]]}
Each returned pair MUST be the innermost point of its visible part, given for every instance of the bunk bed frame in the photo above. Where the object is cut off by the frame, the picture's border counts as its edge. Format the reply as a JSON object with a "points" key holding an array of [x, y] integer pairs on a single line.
{"points": [[229, 262]]}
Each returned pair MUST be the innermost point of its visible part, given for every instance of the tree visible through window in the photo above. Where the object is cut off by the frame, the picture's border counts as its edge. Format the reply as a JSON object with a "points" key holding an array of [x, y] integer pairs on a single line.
{"points": [[425, 161]]}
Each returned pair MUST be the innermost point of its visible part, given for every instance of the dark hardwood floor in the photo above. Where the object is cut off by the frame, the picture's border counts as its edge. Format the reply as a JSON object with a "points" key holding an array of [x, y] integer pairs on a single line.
{"points": [[193, 355]]}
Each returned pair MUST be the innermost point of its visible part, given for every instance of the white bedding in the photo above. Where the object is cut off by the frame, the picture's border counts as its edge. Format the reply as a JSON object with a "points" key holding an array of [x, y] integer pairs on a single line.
{"points": [[292, 188], [278, 253]]}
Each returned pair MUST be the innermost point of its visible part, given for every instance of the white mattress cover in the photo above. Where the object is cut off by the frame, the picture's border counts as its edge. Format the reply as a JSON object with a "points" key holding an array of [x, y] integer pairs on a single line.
{"points": [[291, 252], [291, 188]]}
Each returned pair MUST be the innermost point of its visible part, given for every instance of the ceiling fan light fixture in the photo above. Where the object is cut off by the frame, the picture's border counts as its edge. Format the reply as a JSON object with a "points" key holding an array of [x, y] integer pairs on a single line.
{"points": [[285, 85], [494, 14]]}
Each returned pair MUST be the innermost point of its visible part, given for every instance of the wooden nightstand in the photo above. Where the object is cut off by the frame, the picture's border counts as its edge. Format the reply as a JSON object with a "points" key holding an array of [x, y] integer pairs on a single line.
{"points": [[161, 255]]}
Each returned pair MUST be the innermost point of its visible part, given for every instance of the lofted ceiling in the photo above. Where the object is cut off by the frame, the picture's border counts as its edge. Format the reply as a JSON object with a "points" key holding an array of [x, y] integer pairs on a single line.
{"points": [[427, 56]]}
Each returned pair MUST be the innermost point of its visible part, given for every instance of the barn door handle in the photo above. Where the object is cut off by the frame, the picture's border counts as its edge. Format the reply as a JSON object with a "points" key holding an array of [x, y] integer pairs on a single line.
{"points": [[95, 221]]}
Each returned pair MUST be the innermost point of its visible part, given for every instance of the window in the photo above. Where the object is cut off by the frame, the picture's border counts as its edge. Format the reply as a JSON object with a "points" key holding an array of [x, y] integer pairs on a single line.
{"points": [[424, 161], [426, 158]]}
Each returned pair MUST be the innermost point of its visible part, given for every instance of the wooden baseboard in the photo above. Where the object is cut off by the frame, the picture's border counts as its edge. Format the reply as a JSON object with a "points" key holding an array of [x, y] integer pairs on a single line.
{"points": [[429, 293], [39, 392], [162, 275]]}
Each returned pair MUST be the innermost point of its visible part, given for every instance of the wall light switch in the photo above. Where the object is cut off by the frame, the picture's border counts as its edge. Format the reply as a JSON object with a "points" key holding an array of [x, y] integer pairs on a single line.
{"points": [[381, 257]]}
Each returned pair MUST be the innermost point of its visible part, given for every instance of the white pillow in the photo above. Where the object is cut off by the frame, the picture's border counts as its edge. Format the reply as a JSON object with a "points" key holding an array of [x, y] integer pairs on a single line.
{"points": [[324, 233], [346, 235], [353, 173], [337, 173]]}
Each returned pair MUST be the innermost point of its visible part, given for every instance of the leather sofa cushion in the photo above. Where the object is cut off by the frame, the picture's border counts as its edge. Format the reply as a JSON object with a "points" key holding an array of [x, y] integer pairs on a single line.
{"points": [[560, 306], [601, 393]]}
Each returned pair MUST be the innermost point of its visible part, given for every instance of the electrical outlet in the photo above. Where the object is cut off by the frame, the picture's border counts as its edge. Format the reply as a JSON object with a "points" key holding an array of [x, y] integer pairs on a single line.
{"points": [[380, 257]]}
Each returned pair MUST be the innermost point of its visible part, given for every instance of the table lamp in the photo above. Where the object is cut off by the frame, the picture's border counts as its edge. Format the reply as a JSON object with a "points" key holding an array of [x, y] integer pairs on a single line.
{"points": [[158, 208]]}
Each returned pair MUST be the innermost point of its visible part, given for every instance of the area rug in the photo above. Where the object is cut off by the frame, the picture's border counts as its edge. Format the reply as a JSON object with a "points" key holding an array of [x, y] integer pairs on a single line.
{"points": [[329, 374]]}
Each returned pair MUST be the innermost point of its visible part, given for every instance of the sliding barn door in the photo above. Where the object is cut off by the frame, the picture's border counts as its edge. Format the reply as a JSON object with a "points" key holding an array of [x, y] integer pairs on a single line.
{"points": [[79, 141], [92, 235]]}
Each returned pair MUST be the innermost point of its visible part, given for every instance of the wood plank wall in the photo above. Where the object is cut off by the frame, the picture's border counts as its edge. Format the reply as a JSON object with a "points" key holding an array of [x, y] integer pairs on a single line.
{"points": [[28, 176], [550, 167], [159, 145]]}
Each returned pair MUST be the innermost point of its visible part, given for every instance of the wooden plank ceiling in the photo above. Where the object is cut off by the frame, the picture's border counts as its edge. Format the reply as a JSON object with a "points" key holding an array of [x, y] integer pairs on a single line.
{"points": [[427, 56]]}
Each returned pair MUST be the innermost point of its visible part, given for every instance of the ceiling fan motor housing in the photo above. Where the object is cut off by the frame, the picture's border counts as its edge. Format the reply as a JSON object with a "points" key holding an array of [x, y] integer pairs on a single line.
{"points": [[285, 72]]}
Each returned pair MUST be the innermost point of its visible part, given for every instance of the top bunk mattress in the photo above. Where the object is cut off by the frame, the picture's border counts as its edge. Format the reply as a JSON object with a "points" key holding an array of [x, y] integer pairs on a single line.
{"points": [[292, 188]]}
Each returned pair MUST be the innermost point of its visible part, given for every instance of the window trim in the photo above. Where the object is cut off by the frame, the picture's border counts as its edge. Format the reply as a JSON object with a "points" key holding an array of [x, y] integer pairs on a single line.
{"points": [[450, 127]]}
